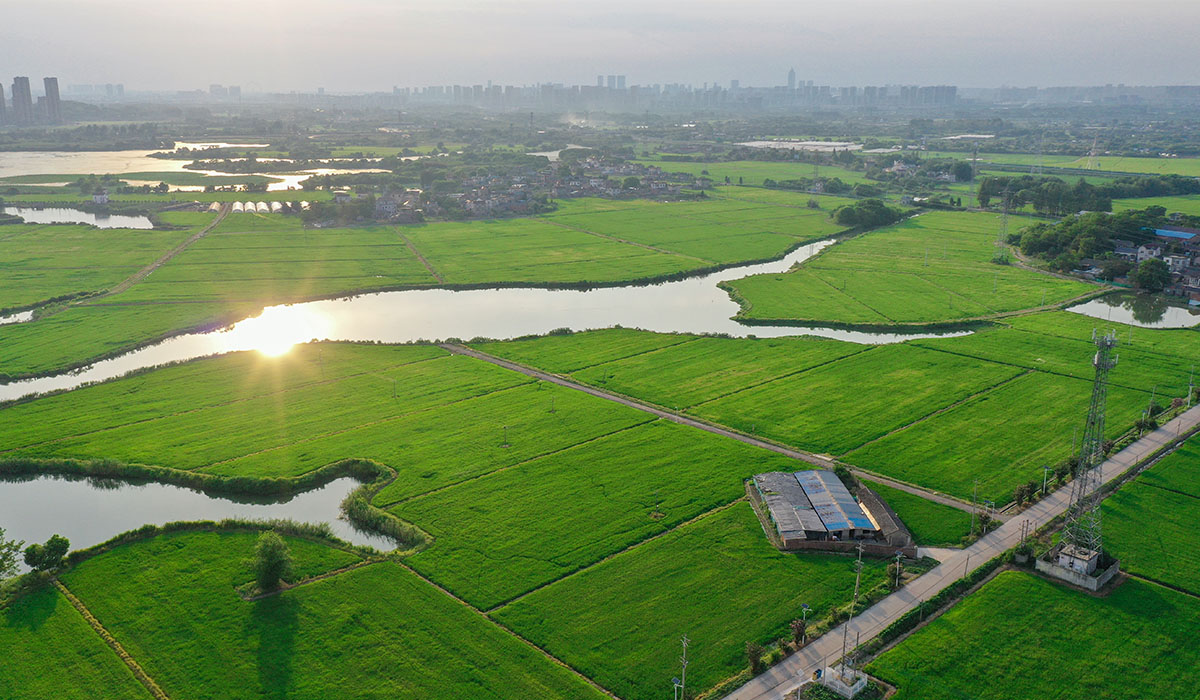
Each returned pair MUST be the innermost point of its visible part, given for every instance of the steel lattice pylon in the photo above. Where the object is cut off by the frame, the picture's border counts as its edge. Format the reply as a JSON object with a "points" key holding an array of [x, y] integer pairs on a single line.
{"points": [[1082, 528]]}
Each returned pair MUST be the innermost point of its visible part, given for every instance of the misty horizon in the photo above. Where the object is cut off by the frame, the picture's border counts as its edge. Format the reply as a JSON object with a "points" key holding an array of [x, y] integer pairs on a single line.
{"points": [[372, 46]]}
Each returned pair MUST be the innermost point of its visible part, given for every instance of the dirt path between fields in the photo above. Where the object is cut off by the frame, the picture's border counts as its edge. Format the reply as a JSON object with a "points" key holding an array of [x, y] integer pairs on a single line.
{"points": [[138, 672], [428, 266], [165, 257]]}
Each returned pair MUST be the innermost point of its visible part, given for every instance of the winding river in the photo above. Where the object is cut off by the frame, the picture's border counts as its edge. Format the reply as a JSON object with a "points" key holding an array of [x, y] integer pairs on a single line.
{"points": [[691, 305]]}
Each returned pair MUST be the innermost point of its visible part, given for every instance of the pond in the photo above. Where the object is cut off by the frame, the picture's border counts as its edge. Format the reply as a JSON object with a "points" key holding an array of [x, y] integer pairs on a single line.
{"points": [[90, 511], [1142, 310], [692, 305], [63, 215]]}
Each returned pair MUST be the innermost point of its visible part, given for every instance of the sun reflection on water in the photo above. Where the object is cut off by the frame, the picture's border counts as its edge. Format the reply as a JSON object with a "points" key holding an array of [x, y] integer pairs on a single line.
{"points": [[276, 330]]}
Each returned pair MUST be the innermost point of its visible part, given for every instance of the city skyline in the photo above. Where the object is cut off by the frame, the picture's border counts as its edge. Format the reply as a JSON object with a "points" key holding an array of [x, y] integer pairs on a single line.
{"points": [[379, 44]]}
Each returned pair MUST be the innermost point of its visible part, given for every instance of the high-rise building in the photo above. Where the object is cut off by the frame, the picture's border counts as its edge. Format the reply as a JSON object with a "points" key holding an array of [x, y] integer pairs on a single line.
{"points": [[599, 81], [792, 79], [3, 113], [22, 100], [53, 103], [620, 82], [235, 92], [734, 84], [120, 90], [612, 82]]}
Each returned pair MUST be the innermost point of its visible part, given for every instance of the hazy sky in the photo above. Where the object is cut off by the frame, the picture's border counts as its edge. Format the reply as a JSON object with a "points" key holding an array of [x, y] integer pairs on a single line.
{"points": [[355, 45]]}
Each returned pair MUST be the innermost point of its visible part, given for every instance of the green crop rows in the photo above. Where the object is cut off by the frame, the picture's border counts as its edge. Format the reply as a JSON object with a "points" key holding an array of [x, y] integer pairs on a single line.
{"points": [[1024, 637], [375, 632], [934, 267], [716, 579]]}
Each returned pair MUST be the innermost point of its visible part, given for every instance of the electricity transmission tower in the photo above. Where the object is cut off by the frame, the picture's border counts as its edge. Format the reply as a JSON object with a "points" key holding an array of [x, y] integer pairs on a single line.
{"points": [[681, 682], [1082, 528], [846, 626], [1001, 257], [1091, 161]]}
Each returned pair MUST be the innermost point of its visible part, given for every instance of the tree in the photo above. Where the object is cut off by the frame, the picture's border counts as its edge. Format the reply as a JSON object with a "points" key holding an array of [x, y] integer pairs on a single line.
{"points": [[754, 656], [962, 171], [272, 561], [631, 183], [799, 628], [43, 557], [8, 555], [1152, 275], [1114, 268]]}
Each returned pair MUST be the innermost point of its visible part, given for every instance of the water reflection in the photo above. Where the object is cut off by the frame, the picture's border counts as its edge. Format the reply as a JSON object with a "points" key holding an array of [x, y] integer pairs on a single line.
{"points": [[1143, 310], [63, 215], [89, 511], [693, 305]]}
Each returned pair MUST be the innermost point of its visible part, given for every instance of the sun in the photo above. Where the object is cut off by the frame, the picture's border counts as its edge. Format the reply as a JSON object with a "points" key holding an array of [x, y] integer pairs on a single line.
{"points": [[277, 330]]}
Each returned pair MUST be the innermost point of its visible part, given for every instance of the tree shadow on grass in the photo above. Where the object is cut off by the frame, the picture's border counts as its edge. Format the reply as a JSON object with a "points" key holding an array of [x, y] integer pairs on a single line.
{"points": [[274, 621], [31, 611]]}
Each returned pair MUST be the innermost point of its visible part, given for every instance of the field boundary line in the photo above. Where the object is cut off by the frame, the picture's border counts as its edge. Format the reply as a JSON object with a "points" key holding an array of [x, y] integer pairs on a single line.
{"points": [[623, 550], [514, 465], [723, 431], [1164, 584], [639, 353], [1171, 490], [1064, 375], [231, 402], [424, 261], [320, 577], [553, 659], [138, 672], [816, 272], [166, 257], [788, 375], [912, 489], [966, 399], [647, 246]]}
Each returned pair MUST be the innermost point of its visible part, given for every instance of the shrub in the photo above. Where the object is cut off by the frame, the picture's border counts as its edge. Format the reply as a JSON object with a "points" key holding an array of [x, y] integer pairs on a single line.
{"points": [[754, 656]]}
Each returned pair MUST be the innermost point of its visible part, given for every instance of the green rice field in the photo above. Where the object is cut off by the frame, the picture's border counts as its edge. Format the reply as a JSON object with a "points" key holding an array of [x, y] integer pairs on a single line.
{"points": [[50, 651], [716, 579], [1150, 522], [379, 629], [43, 262], [932, 268], [1024, 637]]}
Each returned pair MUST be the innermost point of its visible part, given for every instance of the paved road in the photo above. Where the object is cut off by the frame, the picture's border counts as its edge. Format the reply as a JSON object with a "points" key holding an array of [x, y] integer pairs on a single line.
{"points": [[786, 675]]}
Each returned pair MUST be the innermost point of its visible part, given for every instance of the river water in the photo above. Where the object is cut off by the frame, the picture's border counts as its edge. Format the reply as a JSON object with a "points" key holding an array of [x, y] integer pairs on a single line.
{"points": [[693, 305], [91, 511]]}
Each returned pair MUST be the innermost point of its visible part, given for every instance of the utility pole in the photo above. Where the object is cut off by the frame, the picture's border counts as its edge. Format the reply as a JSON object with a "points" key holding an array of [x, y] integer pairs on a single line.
{"points": [[899, 553], [680, 683], [974, 507], [853, 606]]}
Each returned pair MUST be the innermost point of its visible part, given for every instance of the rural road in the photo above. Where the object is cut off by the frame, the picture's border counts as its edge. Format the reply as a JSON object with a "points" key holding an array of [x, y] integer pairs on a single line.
{"points": [[695, 423], [625, 401], [785, 676], [142, 273]]}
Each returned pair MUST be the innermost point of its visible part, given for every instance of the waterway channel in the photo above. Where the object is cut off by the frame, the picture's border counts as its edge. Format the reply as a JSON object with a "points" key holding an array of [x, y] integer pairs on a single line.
{"points": [[692, 305]]}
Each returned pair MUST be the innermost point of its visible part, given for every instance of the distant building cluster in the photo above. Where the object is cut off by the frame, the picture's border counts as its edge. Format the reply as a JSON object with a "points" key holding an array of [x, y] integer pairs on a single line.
{"points": [[611, 92], [26, 112]]}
